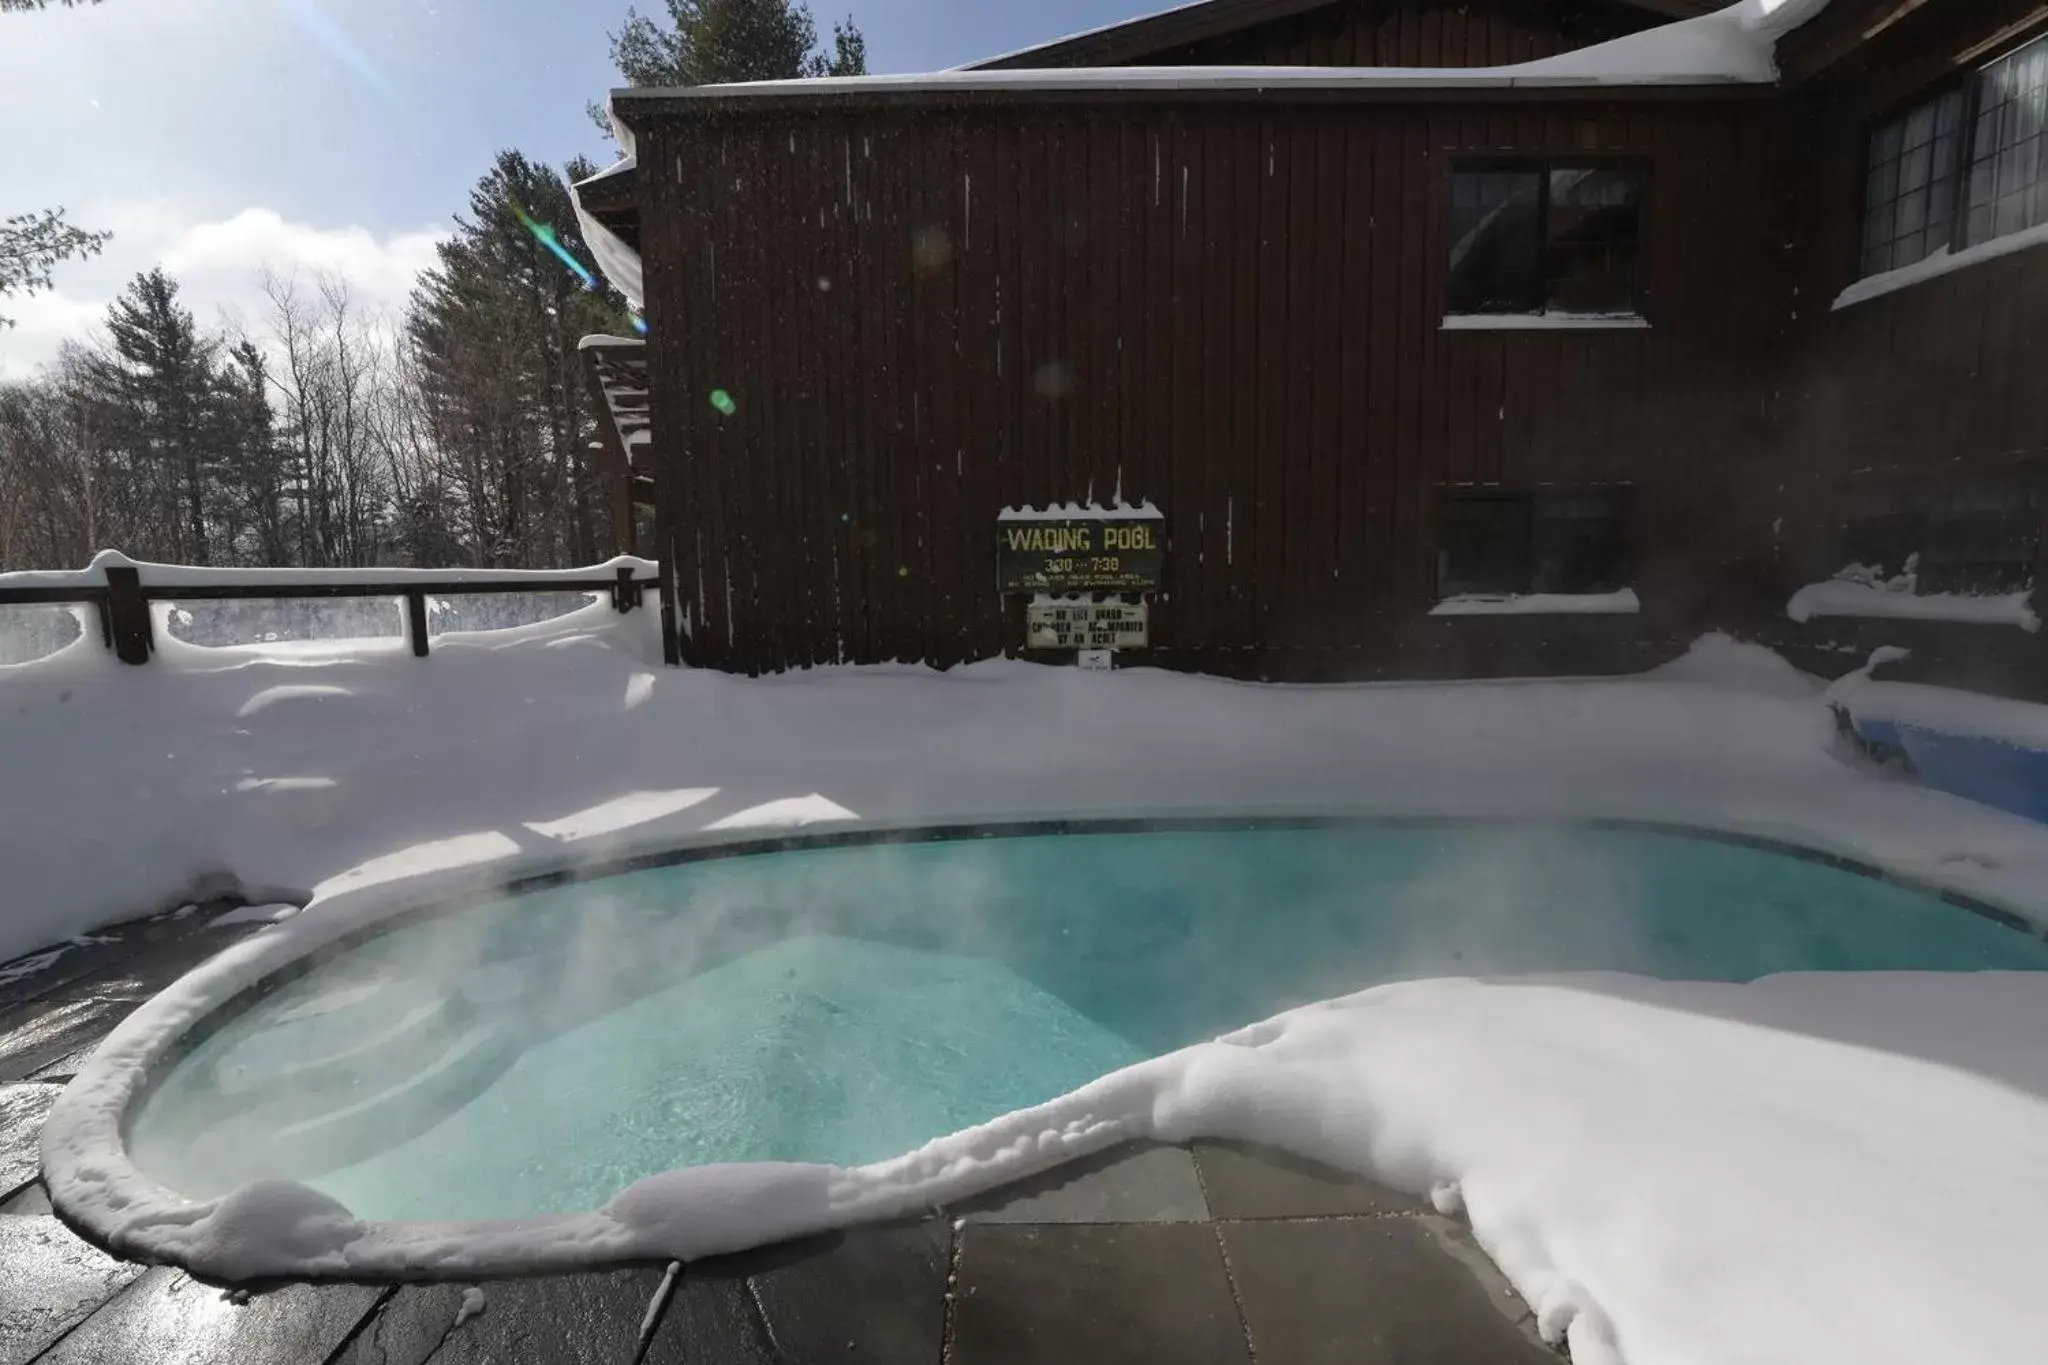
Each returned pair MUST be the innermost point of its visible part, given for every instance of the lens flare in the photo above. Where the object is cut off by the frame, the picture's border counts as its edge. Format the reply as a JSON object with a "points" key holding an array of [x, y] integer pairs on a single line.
{"points": [[722, 400], [545, 235], [329, 35]]}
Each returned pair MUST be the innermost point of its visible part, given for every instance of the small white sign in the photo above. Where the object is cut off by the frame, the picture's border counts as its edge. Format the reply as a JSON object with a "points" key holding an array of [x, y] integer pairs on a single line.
{"points": [[1070, 623], [1097, 660]]}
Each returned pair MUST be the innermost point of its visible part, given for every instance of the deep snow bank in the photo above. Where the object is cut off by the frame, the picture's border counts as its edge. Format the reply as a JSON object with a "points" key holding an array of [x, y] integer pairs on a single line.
{"points": [[290, 769]]}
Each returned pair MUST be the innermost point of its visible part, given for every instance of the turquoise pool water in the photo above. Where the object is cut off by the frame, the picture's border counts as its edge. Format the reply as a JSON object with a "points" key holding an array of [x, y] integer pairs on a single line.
{"points": [[539, 1052]]}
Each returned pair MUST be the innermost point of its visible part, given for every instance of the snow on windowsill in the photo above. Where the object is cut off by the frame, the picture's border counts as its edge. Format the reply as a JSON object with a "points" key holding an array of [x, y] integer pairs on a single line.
{"points": [[1544, 322], [1622, 603], [1839, 597], [1942, 262]]}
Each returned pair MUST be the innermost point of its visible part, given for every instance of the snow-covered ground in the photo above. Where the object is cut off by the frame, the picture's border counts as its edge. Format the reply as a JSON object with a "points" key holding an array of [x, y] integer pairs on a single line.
{"points": [[292, 768], [1795, 1170]]}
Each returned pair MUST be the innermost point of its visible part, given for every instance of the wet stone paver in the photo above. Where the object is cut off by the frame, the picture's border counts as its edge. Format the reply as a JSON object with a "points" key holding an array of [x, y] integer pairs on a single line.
{"points": [[22, 1111], [1214, 1253], [1114, 1293], [167, 1316], [52, 1282]]}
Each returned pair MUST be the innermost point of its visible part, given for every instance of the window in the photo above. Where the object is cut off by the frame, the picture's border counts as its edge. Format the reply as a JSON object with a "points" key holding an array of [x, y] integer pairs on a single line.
{"points": [[1504, 542], [2008, 180], [1962, 167], [1545, 240], [1967, 536]]}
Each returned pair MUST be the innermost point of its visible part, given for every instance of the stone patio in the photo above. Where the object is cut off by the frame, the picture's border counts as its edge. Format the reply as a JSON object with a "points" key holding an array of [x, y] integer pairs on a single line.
{"points": [[1213, 1253]]}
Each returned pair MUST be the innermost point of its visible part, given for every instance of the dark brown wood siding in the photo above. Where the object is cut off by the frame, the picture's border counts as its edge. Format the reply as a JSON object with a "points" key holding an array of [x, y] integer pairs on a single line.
{"points": [[919, 317], [1417, 33], [1944, 377]]}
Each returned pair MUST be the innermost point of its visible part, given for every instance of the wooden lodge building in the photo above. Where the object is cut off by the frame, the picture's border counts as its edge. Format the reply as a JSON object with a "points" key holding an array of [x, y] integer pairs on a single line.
{"points": [[1437, 338]]}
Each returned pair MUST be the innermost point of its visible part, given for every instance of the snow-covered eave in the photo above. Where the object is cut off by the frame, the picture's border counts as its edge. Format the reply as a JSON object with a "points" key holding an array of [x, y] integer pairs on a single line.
{"points": [[1180, 80], [606, 341], [1733, 47]]}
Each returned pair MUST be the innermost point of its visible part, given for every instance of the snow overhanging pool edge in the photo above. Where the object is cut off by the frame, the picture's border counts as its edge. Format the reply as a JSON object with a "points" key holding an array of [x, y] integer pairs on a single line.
{"points": [[282, 1228]]}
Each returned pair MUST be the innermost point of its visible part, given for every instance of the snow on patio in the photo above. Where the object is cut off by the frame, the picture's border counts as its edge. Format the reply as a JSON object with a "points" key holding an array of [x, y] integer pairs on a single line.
{"points": [[1791, 1170]]}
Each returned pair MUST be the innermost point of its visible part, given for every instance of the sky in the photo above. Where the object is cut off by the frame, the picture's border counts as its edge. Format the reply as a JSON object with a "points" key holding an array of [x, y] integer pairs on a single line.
{"points": [[219, 136]]}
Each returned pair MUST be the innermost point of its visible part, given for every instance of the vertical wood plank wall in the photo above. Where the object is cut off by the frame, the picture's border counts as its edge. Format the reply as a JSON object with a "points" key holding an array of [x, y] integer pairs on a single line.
{"points": [[1947, 377], [1230, 309]]}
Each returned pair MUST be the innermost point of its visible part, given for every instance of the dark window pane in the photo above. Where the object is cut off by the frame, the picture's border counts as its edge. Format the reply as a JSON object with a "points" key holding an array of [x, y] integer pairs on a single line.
{"points": [[1496, 236], [1977, 536], [1919, 126], [2006, 161], [1593, 232], [1908, 202], [1578, 541], [1913, 168], [1482, 543]]}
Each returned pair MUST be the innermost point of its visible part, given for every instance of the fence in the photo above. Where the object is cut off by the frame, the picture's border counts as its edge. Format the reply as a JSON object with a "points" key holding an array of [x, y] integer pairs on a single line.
{"points": [[121, 591]]}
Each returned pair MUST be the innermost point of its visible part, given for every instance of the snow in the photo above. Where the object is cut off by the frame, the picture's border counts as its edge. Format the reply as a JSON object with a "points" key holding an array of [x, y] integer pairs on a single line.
{"points": [[1539, 322], [1667, 1172], [1859, 590], [275, 913], [181, 575], [1118, 510], [473, 1304], [1621, 602], [1941, 262], [1943, 710], [605, 340], [619, 262], [1735, 45]]}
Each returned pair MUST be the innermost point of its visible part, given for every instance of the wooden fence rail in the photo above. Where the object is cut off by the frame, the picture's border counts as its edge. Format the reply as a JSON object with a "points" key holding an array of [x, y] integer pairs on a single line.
{"points": [[123, 602]]}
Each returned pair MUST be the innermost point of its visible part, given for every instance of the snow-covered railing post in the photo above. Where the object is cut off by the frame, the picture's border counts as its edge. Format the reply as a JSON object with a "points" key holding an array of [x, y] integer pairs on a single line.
{"points": [[626, 594], [416, 621], [124, 615]]}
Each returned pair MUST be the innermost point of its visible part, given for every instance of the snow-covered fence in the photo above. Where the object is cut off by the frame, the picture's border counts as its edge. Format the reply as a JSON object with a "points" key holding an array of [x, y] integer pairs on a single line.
{"points": [[121, 591]]}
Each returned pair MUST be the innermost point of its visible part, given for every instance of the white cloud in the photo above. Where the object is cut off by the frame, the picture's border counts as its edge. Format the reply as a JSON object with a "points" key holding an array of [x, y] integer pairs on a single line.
{"points": [[218, 263]]}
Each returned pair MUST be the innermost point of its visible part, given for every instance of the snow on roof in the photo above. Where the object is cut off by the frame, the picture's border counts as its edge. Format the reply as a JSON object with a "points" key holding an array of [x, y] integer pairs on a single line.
{"points": [[1098, 29], [1733, 46], [619, 263], [1233, 16]]}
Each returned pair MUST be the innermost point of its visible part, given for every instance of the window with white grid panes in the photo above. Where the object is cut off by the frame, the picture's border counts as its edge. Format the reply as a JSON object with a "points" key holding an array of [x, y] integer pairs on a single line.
{"points": [[1910, 193], [1961, 167], [2008, 173]]}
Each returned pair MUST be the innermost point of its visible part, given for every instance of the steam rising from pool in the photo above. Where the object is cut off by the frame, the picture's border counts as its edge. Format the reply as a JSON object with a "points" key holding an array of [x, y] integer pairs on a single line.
{"points": [[540, 1052]]}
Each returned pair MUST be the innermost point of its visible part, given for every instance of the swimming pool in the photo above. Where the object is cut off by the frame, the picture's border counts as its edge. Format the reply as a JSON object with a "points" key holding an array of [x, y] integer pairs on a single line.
{"points": [[845, 998]]}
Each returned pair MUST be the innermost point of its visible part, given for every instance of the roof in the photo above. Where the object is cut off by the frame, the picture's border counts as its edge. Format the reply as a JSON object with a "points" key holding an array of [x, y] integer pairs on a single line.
{"points": [[1134, 39], [1730, 48]]}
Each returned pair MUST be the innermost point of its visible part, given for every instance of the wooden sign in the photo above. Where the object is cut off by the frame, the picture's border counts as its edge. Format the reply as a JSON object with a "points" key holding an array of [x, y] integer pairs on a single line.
{"points": [[1052, 623], [1109, 551]]}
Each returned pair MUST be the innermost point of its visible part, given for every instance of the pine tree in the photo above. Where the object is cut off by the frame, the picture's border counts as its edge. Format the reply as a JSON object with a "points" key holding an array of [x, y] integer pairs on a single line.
{"points": [[710, 42], [156, 391], [494, 329]]}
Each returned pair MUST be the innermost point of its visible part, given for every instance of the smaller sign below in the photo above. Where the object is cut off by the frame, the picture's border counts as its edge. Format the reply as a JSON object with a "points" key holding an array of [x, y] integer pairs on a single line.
{"points": [[1096, 661], [1071, 623]]}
